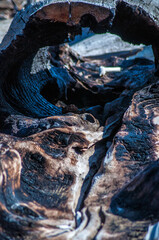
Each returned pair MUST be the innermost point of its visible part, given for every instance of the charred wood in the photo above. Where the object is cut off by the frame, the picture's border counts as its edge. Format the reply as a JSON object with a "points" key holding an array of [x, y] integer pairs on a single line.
{"points": [[78, 151]]}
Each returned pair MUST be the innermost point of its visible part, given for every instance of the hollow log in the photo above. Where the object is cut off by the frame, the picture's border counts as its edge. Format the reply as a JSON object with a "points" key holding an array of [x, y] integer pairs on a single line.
{"points": [[79, 152]]}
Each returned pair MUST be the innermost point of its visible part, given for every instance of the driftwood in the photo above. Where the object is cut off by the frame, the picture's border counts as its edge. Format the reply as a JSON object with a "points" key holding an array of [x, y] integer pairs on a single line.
{"points": [[88, 170]]}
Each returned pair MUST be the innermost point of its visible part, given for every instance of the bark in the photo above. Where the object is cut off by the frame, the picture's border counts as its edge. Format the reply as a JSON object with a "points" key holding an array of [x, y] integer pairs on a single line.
{"points": [[83, 174]]}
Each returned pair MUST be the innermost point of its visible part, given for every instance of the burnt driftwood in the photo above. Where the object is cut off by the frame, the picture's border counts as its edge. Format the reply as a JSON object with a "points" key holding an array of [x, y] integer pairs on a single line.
{"points": [[78, 152]]}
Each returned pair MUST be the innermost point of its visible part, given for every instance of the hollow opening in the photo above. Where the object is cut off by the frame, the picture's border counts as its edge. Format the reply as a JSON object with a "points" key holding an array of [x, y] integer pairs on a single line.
{"points": [[40, 79], [50, 91]]}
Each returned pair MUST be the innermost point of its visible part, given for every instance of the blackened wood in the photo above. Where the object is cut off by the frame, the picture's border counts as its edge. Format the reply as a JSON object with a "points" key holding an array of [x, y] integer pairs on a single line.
{"points": [[58, 174]]}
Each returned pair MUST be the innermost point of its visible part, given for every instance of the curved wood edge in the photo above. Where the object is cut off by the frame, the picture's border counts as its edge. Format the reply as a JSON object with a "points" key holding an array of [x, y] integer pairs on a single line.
{"points": [[116, 16]]}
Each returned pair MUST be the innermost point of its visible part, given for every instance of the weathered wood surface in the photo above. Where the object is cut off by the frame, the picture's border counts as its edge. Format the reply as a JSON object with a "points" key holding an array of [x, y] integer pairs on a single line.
{"points": [[92, 174]]}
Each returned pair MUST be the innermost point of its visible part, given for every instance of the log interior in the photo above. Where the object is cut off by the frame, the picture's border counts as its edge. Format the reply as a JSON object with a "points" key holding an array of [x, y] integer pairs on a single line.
{"points": [[81, 171]]}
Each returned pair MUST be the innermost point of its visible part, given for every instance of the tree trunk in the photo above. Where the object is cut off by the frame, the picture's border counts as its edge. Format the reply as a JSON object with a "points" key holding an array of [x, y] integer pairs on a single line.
{"points": [[79, 152]]}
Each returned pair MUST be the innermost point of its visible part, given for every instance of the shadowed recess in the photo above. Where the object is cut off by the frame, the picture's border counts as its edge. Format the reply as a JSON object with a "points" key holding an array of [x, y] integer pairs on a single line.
{"points": [[139, 199]]}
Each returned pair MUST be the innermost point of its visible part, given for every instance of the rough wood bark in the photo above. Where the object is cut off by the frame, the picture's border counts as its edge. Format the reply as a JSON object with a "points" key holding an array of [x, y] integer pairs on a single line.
{"points": [[74, 176]]}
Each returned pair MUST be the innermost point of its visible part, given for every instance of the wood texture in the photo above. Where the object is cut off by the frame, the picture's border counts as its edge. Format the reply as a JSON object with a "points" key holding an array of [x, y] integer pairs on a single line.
{"points": [[92, 171]]}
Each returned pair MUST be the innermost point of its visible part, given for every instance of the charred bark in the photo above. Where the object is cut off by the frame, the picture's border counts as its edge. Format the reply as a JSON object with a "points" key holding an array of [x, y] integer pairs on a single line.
{"points": [[70, 171]]}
